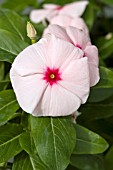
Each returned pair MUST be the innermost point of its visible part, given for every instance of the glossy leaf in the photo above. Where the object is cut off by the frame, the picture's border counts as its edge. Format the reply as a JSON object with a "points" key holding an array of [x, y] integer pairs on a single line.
{"points": [[12, 22], [4, 84], [104, 127], [9, 141], [105, 47], [93, 111], [30, 148], [6, 56], [106, 78], [98, 95], [8, 105], [12, 35], [56, 137], [24, 120], [87, 162], [13, 45], [22, 161], [2, 69], [104, 89], [88, 142]]}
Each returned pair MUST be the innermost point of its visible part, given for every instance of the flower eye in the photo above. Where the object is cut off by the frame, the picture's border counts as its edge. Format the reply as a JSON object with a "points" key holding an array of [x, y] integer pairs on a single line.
{"points": [[52, 76]]}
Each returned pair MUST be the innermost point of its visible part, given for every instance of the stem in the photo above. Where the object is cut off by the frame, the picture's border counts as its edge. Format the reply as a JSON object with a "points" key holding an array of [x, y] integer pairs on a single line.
{"points": [[33, 41]]}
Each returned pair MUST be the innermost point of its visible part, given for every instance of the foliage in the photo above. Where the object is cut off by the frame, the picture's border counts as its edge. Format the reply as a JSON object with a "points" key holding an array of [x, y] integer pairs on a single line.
{"points": [[56, 143]]}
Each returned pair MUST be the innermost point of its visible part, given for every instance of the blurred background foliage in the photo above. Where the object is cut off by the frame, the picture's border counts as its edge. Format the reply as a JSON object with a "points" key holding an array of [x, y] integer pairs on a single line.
{"points": [[97, 113]]}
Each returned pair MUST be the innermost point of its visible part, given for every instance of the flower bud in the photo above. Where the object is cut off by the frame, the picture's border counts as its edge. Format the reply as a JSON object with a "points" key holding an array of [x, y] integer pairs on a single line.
{"points": [[31, 32]]}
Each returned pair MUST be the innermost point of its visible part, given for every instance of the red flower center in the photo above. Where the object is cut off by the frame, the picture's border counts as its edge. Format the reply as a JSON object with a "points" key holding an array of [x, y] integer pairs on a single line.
{"points": [[52, 76]]}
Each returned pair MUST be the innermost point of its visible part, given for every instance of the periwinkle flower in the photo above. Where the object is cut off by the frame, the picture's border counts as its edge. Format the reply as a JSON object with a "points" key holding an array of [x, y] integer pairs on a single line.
{"points": [[51, 78], [74, 9]]}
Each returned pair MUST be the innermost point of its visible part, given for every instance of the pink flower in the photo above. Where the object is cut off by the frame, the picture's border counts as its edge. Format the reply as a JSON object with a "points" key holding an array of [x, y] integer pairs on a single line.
{"points": [[66, 21], [81, 40], [50, 78], [74, 9]]}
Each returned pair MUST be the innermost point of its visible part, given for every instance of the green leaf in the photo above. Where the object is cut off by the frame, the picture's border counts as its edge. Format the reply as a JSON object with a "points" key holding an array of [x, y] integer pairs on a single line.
{"points": [[19, 5], [104, 89], [22, 161], [11, 43], [105, 47], [12, 35], [30, 148], [4, 84], [104, 127], [87, 162], [8, 105], [106, 78], [98, 95], [6, 56], [109, 2], [1, 70], [101, 62], [109, 159], [24, 120], [56, 137], [9, 141], [88, 142], [93, 111], [12, 22]]}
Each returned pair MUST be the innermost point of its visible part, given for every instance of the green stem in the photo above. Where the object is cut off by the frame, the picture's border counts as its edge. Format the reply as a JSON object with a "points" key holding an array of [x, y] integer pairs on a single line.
{"points": [[33, 41]]}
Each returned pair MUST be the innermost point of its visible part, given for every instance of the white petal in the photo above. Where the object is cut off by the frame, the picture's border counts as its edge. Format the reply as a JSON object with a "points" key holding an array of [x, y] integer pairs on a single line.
{"points": [[92, 54], [76, 78], [61, 20], [37, 16], [94, 74], [80, 24], [78, 37], [29, 90], [60, 51], [32, 60], [46, 32], [57, 101], [52, 14], [51, 6], [74, 56], [59, 32], [74, 9]]}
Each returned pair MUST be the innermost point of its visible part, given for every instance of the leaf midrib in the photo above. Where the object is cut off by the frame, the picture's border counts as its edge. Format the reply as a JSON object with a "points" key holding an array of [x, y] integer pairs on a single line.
{"points": [[54, 141], [12, 139], [7, 104], [88, 142], [32, 163], [8, 51]]}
